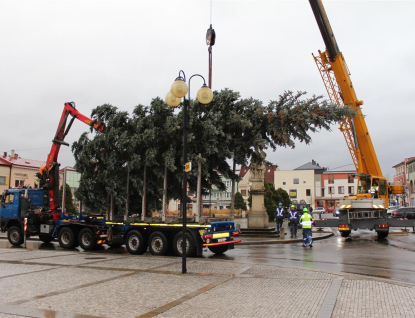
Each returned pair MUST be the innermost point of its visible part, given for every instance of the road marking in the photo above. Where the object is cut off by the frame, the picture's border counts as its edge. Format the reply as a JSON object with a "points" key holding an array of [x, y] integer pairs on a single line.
{"points": [[330, 300]]}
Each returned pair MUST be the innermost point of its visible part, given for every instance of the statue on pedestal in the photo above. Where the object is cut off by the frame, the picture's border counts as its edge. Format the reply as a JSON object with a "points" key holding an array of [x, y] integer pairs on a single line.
{"points": [[258, 217]]}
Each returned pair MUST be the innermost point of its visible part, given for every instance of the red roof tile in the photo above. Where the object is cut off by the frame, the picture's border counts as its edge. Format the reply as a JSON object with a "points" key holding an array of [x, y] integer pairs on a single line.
{"points": [[17, 161]]}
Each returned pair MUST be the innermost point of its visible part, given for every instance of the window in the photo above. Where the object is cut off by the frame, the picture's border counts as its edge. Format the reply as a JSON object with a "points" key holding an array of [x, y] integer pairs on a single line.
{"points": [[243, 192], [350, 178], [340, 190], [331, 190], [228, 183], [2, 180], [351, 190], [296, 181], [9, 198], [322, 192], [227, 194], [331, 178], [19, 183], [308, 192], [284, 183]]}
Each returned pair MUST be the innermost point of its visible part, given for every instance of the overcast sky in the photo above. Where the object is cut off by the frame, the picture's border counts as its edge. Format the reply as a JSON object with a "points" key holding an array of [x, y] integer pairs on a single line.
{"points": [[127, 52]]}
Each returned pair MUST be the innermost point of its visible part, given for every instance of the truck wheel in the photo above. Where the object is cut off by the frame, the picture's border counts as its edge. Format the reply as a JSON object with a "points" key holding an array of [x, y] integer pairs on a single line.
{"points": [[177, 244], [45, 238], [157, 243], [135, 243], [345, 233], [66, 238], [15, 236], [218, 249], [87, 239]]}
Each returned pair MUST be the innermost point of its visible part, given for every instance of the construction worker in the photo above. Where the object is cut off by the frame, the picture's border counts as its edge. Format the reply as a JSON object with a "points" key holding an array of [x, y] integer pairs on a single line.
{"points": [[374, 190], [306, 222], [293, 219], [279, 217]]}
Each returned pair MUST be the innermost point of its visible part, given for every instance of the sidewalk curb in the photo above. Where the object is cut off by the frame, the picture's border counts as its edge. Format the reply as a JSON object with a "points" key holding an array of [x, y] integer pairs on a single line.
{"points": [[263, 241]]}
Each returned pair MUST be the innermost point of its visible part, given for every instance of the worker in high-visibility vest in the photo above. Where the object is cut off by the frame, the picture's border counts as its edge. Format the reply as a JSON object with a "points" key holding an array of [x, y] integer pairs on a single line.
{"points": [[306, 222], [279, 217]]}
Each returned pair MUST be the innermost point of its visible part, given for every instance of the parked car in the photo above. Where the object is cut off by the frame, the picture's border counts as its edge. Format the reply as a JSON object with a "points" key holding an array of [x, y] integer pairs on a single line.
{"points": [[408, 213], [391, 210], [319, 211], [330, 209]]}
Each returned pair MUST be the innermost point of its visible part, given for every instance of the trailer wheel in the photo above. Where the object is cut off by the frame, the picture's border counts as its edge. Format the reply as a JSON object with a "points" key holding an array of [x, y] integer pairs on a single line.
{"points": [[45, 238], [345, 233], [15, 236], [135, 243], [157, 243], [66, 238], [87, 239], [218, 249], [177, 244]]}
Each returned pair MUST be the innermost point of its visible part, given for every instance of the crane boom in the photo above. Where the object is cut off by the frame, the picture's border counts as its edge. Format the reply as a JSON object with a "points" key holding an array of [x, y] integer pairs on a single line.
{"points": [[49, 174], [335, 73]]}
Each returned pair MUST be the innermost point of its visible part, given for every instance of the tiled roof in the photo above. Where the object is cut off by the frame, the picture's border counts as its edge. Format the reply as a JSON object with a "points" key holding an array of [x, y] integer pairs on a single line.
{"points": [[29, 163], [312, 165], [4, 162]]}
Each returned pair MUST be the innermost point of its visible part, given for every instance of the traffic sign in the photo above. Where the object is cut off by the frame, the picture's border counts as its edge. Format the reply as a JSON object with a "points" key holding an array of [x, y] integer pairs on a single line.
{"points": [[188, 166], [406, 188]]}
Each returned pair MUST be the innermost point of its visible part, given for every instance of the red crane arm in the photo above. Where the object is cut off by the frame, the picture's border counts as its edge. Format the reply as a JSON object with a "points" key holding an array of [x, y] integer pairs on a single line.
{"points": [[51, 170]]}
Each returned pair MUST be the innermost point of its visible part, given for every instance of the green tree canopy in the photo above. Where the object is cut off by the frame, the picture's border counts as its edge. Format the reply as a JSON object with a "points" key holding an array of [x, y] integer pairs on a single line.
{"points": [[69, 206], [239, 202], [228, 128]]}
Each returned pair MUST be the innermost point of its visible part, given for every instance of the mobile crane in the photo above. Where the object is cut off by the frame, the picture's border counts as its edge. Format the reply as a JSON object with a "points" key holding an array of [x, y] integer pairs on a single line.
{"points": [[36, 212], [367, 208]]}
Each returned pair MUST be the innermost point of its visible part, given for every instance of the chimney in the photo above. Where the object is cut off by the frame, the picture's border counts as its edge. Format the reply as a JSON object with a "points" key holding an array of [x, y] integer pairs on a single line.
{"points": [[12, 153], [5, 154]]}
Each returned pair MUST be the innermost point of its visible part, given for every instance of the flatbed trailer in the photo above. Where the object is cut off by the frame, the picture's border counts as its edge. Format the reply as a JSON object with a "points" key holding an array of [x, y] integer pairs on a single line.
{"points": [[167, 238], [21, 216]]}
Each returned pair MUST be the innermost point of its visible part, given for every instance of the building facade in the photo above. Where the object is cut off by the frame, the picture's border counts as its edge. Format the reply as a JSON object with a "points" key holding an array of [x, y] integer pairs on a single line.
{"points": [[337, 184], [17, 172], [411, 182], [402, 178], [303, 184]]}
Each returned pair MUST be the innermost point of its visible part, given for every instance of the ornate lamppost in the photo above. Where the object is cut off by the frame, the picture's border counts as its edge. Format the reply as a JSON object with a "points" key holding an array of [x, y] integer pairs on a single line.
{"points": [[178, 90]]}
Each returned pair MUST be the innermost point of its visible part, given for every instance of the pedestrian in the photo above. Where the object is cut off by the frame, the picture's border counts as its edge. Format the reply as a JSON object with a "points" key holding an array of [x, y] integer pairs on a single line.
{"points": [[306, 222], [293, 220], [279, 217]]}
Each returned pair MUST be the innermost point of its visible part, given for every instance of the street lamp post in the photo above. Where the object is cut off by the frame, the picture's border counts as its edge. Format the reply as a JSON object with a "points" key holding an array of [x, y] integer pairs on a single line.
{"points": [[178, 90]]}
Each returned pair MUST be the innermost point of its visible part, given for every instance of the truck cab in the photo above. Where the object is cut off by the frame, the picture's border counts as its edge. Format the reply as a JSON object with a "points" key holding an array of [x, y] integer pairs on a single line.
{"points": [[17, 204]]}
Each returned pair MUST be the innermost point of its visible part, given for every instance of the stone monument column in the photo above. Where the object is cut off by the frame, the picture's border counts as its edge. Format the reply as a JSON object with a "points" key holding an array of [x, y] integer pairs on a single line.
{"points": [[258, 217]]}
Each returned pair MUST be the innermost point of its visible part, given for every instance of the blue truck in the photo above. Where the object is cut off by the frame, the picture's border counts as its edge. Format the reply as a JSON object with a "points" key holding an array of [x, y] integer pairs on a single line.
{"points": [[37, 212], [23, 214]]}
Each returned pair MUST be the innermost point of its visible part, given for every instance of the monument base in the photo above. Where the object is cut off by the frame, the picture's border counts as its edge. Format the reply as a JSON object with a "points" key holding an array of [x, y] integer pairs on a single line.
{"points": [[258, 219]]}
